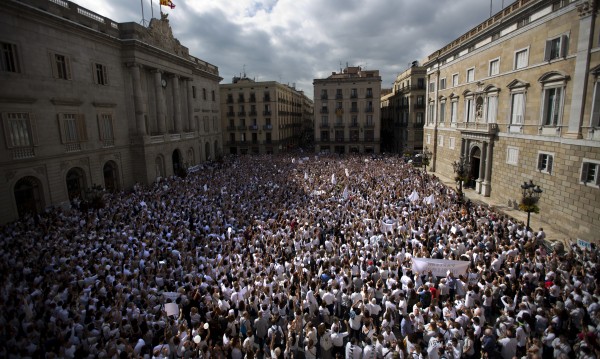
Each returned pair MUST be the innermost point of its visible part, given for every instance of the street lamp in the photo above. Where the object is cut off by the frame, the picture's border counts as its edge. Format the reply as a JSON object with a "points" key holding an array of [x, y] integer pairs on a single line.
{"points": [[462, 168], [531, 196], [425, 159]]}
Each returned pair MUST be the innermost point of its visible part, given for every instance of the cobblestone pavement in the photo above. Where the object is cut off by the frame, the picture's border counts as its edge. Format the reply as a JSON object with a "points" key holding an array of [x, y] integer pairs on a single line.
{"points": [[553, 234]]}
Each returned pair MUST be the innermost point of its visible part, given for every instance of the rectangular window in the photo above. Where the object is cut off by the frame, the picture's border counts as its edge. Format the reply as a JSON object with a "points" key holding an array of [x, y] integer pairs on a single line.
{"points": [[453, 111], [491, 109], [470, 75], [61, 66], [443, 84], [469, 115], [590, 172], [517, 108], [105, 126], [73, 129], [324, 135], [421, 83], [369, 92], [204, 94], [441, 141], [101, 74], [455, 80], [324, 94], [18, 130], [442, 112], [9, 61], [512, 155], [213, 95], [324, 120], [431, 86], [521, 59], [419, 119], [193, 91], [428, 139], [370, 120], [545, 162], [552, 106], [452, 143], [353, 93], [556, 48], [338, 94], [595, 118], [494, 67], [430, 111]]}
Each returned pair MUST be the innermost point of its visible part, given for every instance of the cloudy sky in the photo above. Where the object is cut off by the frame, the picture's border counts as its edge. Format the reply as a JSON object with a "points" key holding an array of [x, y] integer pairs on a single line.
{"points": [[296, 41]]}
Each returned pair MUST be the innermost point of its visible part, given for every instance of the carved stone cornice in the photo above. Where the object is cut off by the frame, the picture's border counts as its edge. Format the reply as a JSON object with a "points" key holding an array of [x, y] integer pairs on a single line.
{"points": [[587, 7]]}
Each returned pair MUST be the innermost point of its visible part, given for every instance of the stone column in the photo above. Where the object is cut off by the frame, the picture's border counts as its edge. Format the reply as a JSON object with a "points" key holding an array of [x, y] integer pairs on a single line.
{"points": [[176, 104], [161, 116], [482, 166], [486, 185], [190, 105], [139, 100]]}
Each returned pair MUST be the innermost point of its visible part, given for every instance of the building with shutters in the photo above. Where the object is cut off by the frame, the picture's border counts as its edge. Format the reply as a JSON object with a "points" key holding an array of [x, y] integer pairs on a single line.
{"points": [[518, 97], [347, 112], [89, 102]]}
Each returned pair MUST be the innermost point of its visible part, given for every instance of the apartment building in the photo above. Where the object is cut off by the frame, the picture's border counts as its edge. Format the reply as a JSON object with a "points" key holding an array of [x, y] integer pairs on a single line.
{"points": [[261, 117], [88, 102], [518, 97], [347, 111], [403, 112]]}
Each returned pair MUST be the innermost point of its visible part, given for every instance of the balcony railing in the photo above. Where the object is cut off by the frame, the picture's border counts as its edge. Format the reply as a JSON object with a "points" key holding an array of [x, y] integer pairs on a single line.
{"points": [[324, 110], [241, 128], [242, 113], [253, 128], [252, 113], [266, 113], [324, 125], [354, 110], [339, 96], [230, 113], [338, 124], [369, 109], [488, 128], [324, 97], [229, 100], [369, 125], [230, 128], [267, 127]]}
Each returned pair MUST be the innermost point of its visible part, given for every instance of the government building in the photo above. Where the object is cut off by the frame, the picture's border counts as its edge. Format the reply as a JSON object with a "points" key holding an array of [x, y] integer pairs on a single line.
{"points": [[518, 99], [263, 117], [347, 111], [90, 103]]}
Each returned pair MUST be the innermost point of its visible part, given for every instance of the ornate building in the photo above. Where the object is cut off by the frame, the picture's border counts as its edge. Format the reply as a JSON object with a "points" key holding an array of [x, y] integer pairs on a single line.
{"points": [[518, 97], [88, 102], [262, 117], [347, 111]]}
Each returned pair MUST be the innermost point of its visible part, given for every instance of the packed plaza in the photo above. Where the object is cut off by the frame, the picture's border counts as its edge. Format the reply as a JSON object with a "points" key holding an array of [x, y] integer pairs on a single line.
{"points": [[291, 256]]}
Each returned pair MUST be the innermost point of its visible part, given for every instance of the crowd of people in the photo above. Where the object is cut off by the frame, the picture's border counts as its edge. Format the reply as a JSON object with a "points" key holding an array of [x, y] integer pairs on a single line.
{"points": [[291, 257]]}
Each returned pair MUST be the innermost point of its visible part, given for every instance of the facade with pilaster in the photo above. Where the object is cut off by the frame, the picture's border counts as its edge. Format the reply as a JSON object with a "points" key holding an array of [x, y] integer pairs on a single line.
{"points": [[347, 111], [518, 97], [87, 102], [263, 117]]}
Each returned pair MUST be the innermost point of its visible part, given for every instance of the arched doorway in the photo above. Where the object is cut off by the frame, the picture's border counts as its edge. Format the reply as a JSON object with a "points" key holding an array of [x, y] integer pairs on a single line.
{"points": [[111, 176], [475, 160], [207, 151], [177, 165], [75, 183], [28, 196], [159, 166]]}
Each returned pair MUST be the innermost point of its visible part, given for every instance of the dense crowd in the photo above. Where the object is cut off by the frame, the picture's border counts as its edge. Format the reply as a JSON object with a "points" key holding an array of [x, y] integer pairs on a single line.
{"points": [[291, 257]]}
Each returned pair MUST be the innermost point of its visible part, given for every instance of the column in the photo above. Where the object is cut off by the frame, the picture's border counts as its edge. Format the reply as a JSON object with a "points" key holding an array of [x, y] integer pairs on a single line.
{"points": [[486, 185], [482, 166], [161, 117], [585, 41], [190, 104], [139, 101], [176, 104]]}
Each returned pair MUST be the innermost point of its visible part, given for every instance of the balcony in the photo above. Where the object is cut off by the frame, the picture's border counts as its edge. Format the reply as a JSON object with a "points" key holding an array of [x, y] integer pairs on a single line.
{"points": [[480, 127], [419, 106], [369, 95], [230, 113], [253, 128], [369, 125], [324, 97], [339, 96], [324, 125], [242, 128], [241, 100], [252, 113], [267, 127], [267, 99], [22, 153], [229, 100], [324, 110], [252, 99], [354, 125], [338, 124], [354, 110], [354, 95], [242, 113], [266, 113], [369, 109], [231, 128]]}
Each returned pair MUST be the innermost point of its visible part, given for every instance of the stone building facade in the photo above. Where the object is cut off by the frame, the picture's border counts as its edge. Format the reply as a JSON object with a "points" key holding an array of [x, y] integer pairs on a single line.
{"points": [[262, 117], [88, 102], [403, 112], [518, 97], [347, 111]]}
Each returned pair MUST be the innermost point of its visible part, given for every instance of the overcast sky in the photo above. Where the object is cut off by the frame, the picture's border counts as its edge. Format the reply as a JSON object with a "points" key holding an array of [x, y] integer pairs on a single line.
{"points": [[296, 41]]}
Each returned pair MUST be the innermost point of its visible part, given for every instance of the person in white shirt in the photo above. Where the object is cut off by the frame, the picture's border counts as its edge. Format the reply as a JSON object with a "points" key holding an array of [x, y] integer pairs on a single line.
{"points": [[353, 351], [508, 344]]}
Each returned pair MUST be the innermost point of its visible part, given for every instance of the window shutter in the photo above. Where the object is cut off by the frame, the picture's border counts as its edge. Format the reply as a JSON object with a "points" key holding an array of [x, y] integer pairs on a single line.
{"points": [[61, 127], [549, 167], [81, 130], [564, 45], [539, 164], [597, 174], [33, 130], [584, 171], [100, 126], [68, 67], [547, 50], [8, 140], [53, 65]]}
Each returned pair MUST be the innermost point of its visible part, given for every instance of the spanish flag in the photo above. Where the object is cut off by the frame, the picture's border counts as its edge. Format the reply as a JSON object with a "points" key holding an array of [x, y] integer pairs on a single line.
{"points": [[168, 3]]}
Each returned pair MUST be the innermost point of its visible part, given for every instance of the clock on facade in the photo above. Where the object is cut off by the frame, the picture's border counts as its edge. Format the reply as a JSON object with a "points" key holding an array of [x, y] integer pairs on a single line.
{"points": [[163, 83]]}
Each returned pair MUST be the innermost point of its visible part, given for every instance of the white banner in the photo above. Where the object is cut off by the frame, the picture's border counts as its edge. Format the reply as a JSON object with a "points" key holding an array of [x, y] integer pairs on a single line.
{"points": [[439, 267], [584, 244]]}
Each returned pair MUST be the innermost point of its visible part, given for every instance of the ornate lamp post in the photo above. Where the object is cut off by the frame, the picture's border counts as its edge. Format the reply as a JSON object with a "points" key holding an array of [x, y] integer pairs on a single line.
{"points": [[462, 168], [531, 196], [425, 159]]}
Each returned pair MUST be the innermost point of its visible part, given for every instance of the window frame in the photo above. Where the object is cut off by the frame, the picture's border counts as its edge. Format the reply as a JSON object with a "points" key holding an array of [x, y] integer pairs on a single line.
{"points": [[30, 127], [452, 143], [549, 163], [56, 69], [442, 111], [14, 65], [470, 75], [516, 58], [562, 48], [556, 113], [491, 67], [443, 83], [80, 127], [100, 80], [455, 80], [586, 164], [515, 160]]}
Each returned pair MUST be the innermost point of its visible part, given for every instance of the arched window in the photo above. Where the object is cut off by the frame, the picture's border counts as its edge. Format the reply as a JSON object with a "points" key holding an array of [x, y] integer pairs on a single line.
{"points": [[75, 181], [28, 196]]}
